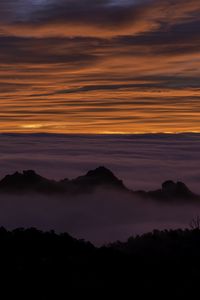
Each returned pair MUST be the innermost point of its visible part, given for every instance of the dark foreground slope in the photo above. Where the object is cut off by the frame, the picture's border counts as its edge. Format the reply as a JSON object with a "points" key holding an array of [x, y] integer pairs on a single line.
{"points": [[50, 265]]}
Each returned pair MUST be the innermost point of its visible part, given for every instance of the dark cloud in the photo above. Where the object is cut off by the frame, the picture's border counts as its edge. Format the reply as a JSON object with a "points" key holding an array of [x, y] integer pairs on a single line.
{"points": [[82, 61], [100, 12], [114, 15], [169, 36]]}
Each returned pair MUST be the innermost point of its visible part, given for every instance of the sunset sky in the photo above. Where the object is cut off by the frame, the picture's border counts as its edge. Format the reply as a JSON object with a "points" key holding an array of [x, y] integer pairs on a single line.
{"points": [[100, 66]]}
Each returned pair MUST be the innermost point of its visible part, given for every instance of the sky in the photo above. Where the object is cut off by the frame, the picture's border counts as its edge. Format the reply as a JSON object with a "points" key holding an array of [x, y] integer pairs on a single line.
{"points": [[99, 66]]}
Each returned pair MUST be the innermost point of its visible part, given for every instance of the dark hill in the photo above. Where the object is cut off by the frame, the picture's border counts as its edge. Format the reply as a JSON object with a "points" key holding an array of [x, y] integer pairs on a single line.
{"points": [[30, 181], [101, 177], [38, 265], [175, 191], [97, 178]]}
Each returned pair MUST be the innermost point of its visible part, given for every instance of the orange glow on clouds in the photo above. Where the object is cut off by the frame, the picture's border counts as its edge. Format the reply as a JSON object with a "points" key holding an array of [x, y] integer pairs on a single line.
{"points": [[129, 69]]}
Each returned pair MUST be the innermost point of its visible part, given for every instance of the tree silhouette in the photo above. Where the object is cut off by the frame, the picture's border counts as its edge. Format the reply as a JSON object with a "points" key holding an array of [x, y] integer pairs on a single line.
{"points": [[195, 223], [55, 265]]}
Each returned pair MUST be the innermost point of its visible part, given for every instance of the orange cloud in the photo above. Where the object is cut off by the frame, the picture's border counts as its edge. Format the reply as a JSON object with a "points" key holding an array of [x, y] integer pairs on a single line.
{"points": [[105, 68]]}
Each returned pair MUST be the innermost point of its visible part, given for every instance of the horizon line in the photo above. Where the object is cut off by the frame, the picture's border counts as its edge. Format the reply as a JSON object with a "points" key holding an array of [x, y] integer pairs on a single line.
{"points": [[101, 133]]}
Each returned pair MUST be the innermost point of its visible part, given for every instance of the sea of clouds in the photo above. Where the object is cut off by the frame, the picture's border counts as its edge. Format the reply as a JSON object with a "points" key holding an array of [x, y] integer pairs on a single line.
{"points": [[143, 162]]}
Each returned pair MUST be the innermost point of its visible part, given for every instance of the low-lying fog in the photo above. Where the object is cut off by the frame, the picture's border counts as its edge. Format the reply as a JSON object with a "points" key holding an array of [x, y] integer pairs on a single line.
{"points": [[142, 161], [100, 218]]}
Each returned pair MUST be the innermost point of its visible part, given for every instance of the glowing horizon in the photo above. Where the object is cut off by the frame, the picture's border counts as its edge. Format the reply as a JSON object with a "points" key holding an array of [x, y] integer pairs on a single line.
{"points": [[100, 67]]}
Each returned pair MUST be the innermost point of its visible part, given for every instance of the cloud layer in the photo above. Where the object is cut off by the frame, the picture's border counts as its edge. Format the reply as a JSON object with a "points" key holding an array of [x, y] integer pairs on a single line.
{"points": [[142, 161], [100, 217], [99, 66]]}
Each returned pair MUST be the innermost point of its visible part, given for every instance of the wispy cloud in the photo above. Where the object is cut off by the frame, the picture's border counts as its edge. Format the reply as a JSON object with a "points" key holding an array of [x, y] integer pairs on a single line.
{"points": [[75, 66]]}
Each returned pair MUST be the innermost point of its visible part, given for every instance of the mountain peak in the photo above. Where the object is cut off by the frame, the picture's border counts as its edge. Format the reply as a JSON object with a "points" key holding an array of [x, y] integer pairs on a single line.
{"points": [[178, 189], [101, 172], [21, 181], [30, 173], [27, 174], [100, 176]]}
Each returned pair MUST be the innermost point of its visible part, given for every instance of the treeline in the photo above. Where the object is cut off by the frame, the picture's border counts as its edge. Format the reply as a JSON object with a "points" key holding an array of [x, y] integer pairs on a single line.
{"points": [[50, 264]]}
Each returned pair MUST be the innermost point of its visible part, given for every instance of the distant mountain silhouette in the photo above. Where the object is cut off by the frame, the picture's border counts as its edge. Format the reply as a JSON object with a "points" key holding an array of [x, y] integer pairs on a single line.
{"points": [[30, 181], [174, 190], [101, 177]]}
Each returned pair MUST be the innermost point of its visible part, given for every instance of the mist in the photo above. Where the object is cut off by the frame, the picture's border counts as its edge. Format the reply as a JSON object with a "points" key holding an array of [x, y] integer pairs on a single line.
{"points": [[101, 217], [142, 161]]}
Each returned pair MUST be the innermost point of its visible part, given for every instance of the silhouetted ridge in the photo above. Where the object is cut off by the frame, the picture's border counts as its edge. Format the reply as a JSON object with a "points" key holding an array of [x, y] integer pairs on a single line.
{"points": [[101, 172], [101, 177], [172, 190], [30, 181], [26, 181], [178, 189], [28, 175], [46, 265]]}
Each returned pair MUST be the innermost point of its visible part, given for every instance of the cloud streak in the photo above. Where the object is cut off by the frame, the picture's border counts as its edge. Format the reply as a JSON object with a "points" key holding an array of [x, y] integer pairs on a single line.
{"points": [[73, 66]]}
